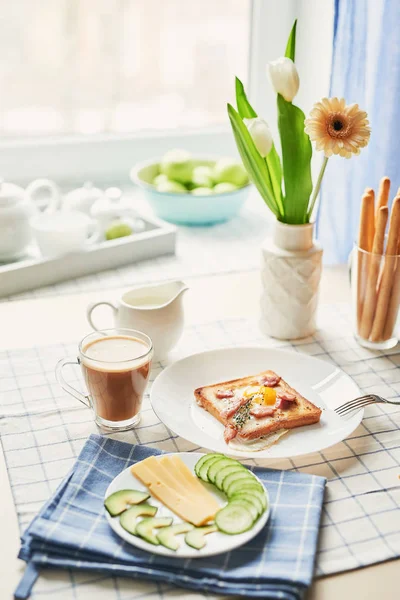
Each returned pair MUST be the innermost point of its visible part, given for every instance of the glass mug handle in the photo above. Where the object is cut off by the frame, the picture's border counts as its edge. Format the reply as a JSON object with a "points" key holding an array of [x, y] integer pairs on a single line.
{"points": [[66, 386]]}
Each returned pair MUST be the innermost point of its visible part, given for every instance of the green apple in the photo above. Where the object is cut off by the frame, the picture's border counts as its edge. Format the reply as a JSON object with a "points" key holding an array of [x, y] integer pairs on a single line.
{"points": [[160, 178], [177, 165], [171, 187], [202, 176], [229, 171], [118, 229], [202, 191], [225, 187]]}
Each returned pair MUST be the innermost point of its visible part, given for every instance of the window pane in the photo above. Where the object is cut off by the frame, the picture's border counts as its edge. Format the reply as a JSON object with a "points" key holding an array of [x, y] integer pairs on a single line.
{"points": [[119, 66]]}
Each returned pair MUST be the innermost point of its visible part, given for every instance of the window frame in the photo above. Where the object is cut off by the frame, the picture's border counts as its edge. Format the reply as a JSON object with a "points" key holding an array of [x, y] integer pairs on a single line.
{"points": [[108, 158]]}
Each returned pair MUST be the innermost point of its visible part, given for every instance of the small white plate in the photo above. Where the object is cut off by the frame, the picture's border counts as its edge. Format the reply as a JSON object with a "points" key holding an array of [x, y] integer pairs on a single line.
{"points": [[215, 542], [322, 383]]}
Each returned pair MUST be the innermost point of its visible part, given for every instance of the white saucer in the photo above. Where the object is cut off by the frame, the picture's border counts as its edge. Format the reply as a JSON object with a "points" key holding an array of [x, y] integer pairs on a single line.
{"points": [[322, 383], [216, 543]]}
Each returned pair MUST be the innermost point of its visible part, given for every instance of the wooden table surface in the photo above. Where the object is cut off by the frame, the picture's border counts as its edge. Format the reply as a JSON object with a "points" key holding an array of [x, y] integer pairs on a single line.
{"points": [[46, 320]]}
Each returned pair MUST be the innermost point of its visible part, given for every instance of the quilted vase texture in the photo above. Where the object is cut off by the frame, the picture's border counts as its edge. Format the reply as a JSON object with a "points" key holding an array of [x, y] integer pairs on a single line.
{"points": [[290, 272]]}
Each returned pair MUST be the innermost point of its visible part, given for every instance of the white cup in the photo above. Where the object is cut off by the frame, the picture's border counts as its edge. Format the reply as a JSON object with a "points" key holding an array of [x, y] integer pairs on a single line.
{"points": [[64, 232]]}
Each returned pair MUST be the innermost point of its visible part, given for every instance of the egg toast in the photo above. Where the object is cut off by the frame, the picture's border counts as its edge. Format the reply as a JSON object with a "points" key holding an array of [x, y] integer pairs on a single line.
{"points": [[256, 406]]}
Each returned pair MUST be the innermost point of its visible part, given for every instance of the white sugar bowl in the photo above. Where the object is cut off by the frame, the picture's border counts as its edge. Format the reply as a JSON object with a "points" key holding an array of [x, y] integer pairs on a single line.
{"points": [[112, 206], [17, 206], [82, 199]]}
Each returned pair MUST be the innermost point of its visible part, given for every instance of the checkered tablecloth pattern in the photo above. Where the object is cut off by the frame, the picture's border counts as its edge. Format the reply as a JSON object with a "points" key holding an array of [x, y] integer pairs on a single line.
{"points": [[43, 430]]}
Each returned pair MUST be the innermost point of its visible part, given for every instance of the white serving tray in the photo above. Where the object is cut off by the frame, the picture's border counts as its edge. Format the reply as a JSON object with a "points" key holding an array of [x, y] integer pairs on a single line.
{"points": [[33, 271]]}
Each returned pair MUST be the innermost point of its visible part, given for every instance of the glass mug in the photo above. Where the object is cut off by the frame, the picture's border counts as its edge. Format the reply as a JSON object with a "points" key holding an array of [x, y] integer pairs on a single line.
{"points": [[375, 282], [116, 368]]}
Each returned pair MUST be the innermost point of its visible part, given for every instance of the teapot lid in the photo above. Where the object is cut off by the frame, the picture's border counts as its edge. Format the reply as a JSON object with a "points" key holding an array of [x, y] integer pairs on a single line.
{"points": [[10, 193], [113, 194], [108, 202], [88, 191]]}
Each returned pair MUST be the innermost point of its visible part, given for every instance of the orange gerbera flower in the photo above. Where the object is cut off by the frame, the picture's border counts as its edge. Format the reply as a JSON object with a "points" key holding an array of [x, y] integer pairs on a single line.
{"points": [[337, 128]]}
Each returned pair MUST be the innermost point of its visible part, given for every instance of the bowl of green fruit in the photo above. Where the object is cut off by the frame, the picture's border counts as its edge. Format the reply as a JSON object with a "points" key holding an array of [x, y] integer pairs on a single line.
{"points": [[185, 190]]}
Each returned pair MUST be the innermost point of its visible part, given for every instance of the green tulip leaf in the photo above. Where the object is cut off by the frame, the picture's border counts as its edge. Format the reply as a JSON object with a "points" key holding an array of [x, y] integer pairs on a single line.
{"points": [[245, 110], [296, 159], [275, 170], [255, 165], [290, 51], [274, 181]]}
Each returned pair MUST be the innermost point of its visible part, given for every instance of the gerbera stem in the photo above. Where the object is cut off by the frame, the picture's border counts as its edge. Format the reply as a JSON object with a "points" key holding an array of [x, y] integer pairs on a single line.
{"points": [[317, 188]]}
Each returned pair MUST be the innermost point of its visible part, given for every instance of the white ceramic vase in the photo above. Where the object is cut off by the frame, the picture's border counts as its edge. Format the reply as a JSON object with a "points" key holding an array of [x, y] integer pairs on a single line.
{"points": [[290, 272]]}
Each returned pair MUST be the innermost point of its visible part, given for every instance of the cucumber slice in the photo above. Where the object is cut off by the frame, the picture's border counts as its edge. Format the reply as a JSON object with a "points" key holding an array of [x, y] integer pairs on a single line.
{"points": [[252, 508], [237, 476], [260, 497], [263, 497], [254, 500], [237, 486], [195, 537], [225, 471], [202, 460], [145, 528], [120, 501], [128, 518], [167, 535], [216, 466], [234, 519], [203, 471]]}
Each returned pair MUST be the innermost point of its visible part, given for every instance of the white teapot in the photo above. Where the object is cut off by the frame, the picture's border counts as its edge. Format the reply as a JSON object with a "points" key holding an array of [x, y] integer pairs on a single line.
{"points": [[17, 206], [83, 198]]}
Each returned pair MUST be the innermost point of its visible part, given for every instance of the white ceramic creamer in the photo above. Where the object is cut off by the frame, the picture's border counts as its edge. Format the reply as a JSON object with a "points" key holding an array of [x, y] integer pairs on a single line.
{"points": [[157, 310]]}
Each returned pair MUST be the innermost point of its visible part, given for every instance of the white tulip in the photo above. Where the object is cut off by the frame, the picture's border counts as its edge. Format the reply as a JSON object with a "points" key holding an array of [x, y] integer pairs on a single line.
{"points": [[260, 134], [284, 77]]}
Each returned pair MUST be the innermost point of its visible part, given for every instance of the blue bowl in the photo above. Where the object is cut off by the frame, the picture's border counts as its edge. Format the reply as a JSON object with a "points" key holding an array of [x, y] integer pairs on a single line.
{"points": [[187, 209]]}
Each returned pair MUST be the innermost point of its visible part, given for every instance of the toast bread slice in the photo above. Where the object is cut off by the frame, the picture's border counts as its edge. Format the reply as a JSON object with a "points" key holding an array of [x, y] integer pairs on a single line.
{"points": [[299, 413]]}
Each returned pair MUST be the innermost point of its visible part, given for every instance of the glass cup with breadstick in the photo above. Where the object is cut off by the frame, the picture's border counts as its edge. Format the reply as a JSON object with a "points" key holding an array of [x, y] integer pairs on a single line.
{"points": [[376, 271]]}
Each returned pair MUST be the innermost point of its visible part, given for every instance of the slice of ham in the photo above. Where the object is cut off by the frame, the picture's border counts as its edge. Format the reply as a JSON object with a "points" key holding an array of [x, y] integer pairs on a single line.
{"points": [[287, 396], [270, 380], [229, 433], [285, 400], [233, 407], [259, 412], [224, 394]]}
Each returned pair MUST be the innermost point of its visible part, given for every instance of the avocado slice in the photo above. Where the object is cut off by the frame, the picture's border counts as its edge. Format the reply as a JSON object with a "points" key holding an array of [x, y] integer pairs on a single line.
{"points": [[145, 528], [167, 536], [195, 537], [120, 501], [128, 518]]}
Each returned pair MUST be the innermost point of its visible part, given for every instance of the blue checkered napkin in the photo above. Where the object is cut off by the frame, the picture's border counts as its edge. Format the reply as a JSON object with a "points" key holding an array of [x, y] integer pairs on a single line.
{"points": [[71, 531]]}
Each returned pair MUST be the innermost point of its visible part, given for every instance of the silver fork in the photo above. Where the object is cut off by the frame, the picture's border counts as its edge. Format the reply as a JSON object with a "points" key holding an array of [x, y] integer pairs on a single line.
{"points": [[358, 403]]}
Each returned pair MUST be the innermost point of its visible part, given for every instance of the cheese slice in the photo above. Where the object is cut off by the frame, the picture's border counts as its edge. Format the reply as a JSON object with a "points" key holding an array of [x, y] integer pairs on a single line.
{"points": [[168, 475], [178, 467], [184, 485], [183, 502]]}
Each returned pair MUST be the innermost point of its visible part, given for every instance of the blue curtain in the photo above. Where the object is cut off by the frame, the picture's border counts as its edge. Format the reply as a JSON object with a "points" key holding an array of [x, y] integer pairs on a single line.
{"points": [[365, 70]]}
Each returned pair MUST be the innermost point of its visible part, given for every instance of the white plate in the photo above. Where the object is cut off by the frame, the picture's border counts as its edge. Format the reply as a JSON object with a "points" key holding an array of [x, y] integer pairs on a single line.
{"points": [[215, 542], [322, 383]]}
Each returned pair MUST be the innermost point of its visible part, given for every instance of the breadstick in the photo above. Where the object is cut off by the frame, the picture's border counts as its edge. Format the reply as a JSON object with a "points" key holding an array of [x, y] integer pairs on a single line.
{"points": [[387, 274], [370, 218], [365, 241], [383, 195], [394, 301], [373, 273]]}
